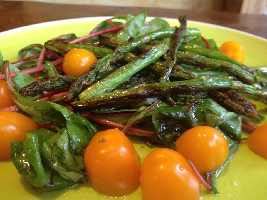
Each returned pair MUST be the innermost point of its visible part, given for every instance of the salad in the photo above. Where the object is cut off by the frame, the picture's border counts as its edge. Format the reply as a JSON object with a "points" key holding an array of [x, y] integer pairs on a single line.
{"points": [[150, 80]]}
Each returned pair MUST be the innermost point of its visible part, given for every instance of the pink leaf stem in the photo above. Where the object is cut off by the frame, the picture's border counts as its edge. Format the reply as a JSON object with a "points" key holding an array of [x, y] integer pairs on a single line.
{"points": [[111, 23], [40, 62], [47, 126], [95, 34], [116, 125], [25, 59], [32, 70], [63, 39], [199, 177], [52, 54], [206, 42], [115, 114], [51, 93], [95, 29]]}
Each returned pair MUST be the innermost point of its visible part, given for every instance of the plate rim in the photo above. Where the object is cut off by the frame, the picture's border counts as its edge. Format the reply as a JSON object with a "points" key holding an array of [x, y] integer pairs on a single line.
{"points": [[81, 19]]}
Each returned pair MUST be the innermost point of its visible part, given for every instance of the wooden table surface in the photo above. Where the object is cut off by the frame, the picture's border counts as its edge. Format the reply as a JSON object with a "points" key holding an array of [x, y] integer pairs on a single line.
{"points": [[18, 13]]}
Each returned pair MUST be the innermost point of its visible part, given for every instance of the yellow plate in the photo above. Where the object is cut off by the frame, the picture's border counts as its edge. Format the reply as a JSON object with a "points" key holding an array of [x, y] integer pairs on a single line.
{"points": [[244, 178]]}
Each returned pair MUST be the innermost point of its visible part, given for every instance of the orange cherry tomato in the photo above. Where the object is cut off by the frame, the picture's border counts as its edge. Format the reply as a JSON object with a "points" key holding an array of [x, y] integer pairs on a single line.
{"points": [[5, 96], [233, 50], [205, 146], [12, 128], [78, 61], [165, 174], [257, 141], [112, 163]]}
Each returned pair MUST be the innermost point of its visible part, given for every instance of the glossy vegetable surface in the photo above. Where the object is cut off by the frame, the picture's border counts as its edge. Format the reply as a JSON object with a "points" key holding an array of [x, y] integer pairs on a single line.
{"points": [[257, 141], [112, 163], [204, 146], [233, 50], [165, 174], [5, 97], [232, 183], [12, 128], [78, 61]]}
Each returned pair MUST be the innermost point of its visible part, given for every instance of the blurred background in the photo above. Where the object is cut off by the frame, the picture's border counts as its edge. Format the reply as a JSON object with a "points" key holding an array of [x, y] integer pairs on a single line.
{"points": [[239, 6]]}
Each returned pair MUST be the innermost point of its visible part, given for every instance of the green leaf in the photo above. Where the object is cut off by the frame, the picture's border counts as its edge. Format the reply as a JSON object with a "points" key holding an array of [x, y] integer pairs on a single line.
{"points": [[167, 129], [26, 158], [133, 26], [27, 64], [57, 183], [58, 157], [31, 148], [30, 50], [127, 17], [233, 127], [155, 24], [67, 37], [22, 79], [51, 70], [216, 173], [208, 113], [174, 112], [198, 42]]}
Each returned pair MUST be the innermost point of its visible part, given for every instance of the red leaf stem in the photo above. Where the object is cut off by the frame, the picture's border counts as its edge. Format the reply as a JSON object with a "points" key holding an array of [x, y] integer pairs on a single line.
{"points": [[51, 93], [95, 34], [40, 62], [116, 125], [199, 177], [52, 54], [25, 59], [115, 114], [47, 126], [185, 39], [206, 42], [111, 23], [32, 70]]}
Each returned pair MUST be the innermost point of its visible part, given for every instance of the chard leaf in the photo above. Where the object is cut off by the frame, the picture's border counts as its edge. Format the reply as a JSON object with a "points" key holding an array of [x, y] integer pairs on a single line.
{"points": [[13, 68], [51, 70], [233, 127], [27, 64], [30, 50], [127, 17], [167, 129], [155, 24], [141, 114], [26, 158], [208, 113], [217, 172], [52, 161], [57, 183], [58, 157], [22, 79], [174, 112], [31, 148], [105, 25], [133, 26], [67, 37], [200, 43]]}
